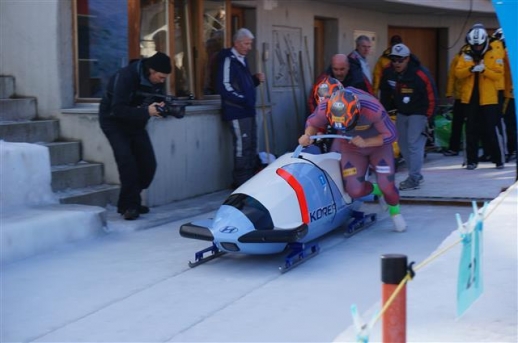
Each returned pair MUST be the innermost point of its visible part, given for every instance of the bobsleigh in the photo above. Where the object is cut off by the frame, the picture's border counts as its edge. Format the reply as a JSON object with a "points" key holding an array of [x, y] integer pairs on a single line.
{"points": [[286, 206]]}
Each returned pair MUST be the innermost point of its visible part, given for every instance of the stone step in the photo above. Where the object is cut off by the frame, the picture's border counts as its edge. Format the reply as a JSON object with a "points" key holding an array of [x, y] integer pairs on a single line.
{"points": [[99, 195], [73, 180], [78, 175], [64, 152], [34, 131], [6, 87], [18, 109], [30, 231]]}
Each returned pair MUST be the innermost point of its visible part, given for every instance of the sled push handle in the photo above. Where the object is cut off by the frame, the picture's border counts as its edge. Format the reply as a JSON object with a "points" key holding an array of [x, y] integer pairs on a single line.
{"points": [[299, 148]]}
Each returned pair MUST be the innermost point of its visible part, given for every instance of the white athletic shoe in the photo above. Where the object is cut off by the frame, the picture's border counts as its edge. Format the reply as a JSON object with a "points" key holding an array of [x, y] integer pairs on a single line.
{"points": [[399, 223]]}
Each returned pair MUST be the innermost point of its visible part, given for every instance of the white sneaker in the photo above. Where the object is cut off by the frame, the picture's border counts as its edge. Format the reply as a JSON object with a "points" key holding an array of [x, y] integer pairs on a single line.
{"points": [[399, 223]]}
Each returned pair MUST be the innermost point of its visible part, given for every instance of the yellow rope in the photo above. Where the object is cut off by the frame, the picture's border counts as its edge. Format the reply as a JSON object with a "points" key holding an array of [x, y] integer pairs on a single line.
{"points": [[392, 297], [408, 277], [442, 251], [506, 193], [437, 254]]}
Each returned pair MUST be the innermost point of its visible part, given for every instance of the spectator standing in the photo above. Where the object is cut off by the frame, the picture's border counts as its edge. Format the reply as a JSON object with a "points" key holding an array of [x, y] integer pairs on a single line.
{"points": [[382, 63], [236, 85], [360, 115], [453, 95], [407, 87], [347, 74], [340, 69], [358, 59], [508, 110], [496, 45], [123, 116], [481, 67]]}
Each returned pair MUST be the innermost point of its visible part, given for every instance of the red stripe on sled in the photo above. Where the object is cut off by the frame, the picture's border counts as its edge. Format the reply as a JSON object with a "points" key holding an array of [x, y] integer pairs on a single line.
{"points": [[299, 191]]}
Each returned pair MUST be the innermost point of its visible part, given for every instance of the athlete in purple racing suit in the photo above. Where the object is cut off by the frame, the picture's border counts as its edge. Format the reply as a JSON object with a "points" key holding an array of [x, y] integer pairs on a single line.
{"points": [[359, 115]]}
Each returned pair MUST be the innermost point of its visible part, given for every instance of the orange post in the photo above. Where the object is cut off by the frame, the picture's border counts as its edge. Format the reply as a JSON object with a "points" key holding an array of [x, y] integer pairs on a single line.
{"points": [[393, 271]]}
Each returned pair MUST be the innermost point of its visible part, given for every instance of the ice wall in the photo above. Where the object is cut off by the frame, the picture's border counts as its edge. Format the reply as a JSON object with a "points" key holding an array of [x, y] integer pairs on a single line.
{"points": [[25, 175]]}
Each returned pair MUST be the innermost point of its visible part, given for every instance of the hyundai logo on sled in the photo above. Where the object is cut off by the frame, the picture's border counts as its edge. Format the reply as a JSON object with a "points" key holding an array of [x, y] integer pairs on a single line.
{"points": [[294, 200]]}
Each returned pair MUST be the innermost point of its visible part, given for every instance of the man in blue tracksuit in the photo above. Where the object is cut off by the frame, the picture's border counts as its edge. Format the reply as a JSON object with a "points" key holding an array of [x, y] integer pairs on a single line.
{"points": [[236, 85]]}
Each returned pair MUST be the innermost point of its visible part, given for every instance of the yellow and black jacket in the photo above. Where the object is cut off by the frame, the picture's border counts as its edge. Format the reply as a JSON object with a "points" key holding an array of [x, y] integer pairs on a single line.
{"points": [[488, 79], [382, 63], [454, 84]]}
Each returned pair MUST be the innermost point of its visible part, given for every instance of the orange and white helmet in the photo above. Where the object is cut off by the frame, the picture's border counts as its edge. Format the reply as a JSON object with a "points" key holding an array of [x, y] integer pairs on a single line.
{"points": [[326, 88], [343, 110]]}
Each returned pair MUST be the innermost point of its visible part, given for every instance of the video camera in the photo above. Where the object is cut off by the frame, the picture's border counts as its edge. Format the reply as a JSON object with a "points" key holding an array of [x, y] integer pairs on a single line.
{"points": [[172, 105]]}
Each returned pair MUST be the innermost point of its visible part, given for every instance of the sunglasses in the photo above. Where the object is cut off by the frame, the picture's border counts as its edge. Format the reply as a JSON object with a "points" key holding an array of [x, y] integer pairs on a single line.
{"points": [[397, 59]]}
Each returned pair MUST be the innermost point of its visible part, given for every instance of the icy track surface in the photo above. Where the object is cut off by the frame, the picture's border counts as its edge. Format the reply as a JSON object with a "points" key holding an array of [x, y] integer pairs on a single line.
{"points": [[137, 287]]}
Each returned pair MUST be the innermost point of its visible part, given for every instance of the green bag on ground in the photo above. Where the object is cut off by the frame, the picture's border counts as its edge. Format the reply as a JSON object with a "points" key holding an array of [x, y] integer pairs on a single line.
{"points": [[442, 131]]}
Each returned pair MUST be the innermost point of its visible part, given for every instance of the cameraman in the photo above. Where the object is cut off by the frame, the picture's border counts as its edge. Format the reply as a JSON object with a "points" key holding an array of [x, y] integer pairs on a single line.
{"points": [[123, 115]]}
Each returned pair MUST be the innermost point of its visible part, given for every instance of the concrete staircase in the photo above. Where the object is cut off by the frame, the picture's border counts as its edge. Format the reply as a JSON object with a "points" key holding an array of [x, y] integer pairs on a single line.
{"points": [[74, 181]]}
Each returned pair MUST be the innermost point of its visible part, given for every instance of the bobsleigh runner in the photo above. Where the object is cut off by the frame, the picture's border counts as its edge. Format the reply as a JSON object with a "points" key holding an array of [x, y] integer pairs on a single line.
{"points": [[286, 206]]}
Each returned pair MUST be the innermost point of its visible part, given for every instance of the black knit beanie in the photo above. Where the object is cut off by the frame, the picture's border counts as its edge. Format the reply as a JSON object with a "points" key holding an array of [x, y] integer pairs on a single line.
{"points": [[159, 62]]}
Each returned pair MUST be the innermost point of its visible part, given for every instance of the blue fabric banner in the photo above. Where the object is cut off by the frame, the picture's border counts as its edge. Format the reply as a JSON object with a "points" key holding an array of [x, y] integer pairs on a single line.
{"points": [[507, 12], [470, 284]]}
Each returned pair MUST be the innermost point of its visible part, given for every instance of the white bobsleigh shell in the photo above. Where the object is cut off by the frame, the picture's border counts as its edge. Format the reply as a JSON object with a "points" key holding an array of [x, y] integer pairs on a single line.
{"points": [[275, 194], [330, 162]]}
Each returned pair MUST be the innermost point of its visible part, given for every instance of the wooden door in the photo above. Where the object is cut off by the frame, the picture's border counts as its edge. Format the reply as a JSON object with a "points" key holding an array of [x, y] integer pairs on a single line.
{"points": [[422, 42], [237, 20], [318, 50]]}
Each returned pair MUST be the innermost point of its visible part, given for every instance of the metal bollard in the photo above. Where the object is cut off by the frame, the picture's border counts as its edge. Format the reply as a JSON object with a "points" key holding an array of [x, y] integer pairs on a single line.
{"points": [[393, 271]]}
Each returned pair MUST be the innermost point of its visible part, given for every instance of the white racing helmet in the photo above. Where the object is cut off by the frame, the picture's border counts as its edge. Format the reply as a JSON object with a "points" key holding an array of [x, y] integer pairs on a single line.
{"points": [[477, 37]]}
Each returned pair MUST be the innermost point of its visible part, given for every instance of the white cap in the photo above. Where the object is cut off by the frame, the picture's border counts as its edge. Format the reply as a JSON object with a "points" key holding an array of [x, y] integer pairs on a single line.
{"points": [[400, 50]]}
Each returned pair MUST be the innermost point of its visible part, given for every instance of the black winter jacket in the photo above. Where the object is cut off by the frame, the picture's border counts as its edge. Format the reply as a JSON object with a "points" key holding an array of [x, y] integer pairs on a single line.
{"points": [[122, 106], [412, 92]]}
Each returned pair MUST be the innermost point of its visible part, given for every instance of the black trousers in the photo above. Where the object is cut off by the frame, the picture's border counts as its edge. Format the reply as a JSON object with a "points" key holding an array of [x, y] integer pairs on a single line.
{"points": [[244, 135], [457, 123], [136, 163], [510, 126], [484, 121]]}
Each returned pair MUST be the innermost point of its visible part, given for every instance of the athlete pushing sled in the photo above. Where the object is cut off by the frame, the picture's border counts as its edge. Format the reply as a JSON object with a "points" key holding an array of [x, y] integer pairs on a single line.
{"points": [[355, 113]]}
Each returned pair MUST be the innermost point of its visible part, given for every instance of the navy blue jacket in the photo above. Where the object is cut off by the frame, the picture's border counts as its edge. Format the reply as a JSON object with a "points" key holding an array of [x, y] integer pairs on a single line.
{"points": [[236, 85]]}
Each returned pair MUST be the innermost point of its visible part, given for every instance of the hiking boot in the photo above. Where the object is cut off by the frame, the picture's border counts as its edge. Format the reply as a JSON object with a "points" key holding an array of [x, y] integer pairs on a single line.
{"points": [[399, 223], [408, 184], [131, 214], [450, 153]]}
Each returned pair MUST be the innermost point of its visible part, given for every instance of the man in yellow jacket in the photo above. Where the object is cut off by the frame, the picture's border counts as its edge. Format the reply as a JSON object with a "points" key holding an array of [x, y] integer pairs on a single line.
{"points": [[382, 63], [453, 89], [480, 67], [508, 109], [509, 112]]}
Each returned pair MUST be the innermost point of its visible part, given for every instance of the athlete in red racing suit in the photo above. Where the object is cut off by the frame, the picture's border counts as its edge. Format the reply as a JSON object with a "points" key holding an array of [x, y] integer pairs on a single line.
{"points": [[360, 115]]}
